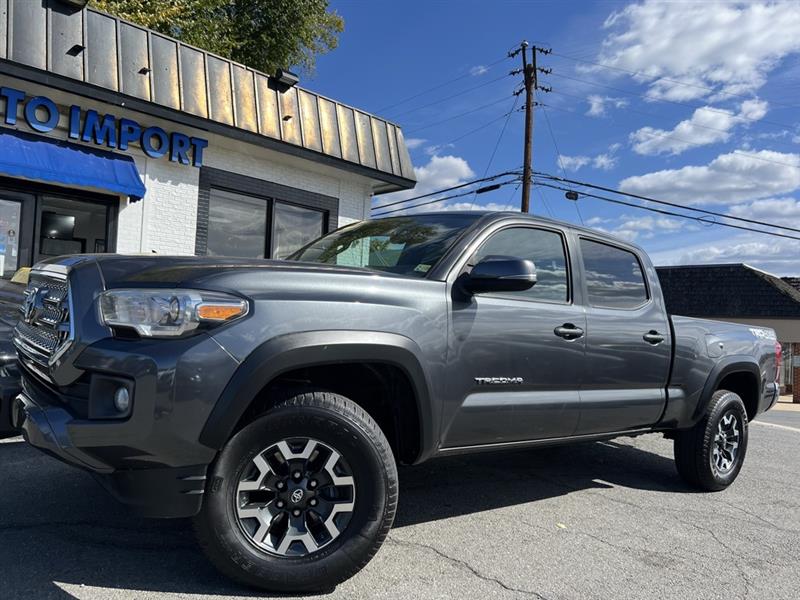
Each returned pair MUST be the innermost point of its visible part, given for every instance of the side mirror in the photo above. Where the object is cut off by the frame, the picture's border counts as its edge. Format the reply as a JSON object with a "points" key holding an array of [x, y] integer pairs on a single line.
{"points": [[495, 274]]}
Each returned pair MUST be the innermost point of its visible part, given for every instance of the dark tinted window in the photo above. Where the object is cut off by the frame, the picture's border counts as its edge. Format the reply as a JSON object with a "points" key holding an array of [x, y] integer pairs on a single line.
{"points": [[613, 276], [293, 227], [544, 248], [237, 225]]}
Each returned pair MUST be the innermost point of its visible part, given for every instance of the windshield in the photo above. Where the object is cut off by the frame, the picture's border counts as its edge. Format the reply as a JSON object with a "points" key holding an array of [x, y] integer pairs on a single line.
{"points": [[408, 245]]}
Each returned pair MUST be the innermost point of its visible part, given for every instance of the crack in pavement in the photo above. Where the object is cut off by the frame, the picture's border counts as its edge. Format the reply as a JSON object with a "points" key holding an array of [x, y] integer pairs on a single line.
{"points": [[465, 565]]}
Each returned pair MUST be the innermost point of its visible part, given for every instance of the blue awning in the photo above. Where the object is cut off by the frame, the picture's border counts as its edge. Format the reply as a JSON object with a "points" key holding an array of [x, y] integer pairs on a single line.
{"points": [[55, 161]]}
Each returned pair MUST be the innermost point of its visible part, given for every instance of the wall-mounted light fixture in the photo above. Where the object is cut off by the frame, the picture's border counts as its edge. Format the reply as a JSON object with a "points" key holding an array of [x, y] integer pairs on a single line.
{"points": [[286, 78]]}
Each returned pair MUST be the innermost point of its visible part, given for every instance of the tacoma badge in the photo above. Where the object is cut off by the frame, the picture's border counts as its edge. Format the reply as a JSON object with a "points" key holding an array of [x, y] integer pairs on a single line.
{"points": [[498, 380]]}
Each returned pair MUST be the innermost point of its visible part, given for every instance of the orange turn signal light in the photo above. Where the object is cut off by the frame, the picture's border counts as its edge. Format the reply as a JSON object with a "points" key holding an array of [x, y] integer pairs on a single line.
{"points": [[221, 312]]}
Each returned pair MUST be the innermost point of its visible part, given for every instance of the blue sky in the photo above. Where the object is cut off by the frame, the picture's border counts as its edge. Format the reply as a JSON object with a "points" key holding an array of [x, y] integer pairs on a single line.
{"points": [[695, 103]]}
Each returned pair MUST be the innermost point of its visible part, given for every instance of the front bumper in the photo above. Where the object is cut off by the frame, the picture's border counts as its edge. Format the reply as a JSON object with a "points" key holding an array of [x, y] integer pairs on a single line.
{"points": [[150, 459]]}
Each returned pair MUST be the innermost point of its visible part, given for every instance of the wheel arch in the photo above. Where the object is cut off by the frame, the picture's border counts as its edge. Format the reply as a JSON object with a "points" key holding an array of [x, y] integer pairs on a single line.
{"points": [[289, 353], [738, 374]]}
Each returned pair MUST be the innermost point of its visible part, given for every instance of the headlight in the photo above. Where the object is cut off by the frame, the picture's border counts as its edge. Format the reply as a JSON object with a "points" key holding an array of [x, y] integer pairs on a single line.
{"points": [[167, 313]]}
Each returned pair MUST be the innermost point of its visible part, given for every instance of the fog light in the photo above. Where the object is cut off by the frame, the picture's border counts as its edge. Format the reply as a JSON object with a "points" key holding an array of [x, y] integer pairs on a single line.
{"points": [[122, 399]]}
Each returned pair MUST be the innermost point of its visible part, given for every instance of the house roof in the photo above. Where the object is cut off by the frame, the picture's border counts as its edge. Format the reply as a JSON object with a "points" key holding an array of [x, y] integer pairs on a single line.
{"points": [[105, 58], [793, 281], [727, 290]]}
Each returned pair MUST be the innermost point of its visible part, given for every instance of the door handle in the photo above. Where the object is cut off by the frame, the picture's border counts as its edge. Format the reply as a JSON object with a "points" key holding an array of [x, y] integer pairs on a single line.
{"points": [[653, 337], [568, 331]]}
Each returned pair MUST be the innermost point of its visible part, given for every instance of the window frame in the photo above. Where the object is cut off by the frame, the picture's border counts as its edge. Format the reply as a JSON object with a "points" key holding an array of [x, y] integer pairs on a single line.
{"points": [[217, 179], [585, 281], [570, 301]]}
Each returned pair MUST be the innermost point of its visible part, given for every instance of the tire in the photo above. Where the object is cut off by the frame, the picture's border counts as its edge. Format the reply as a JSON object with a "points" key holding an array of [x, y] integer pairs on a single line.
{"points": [[705, 455], [363, 480]]}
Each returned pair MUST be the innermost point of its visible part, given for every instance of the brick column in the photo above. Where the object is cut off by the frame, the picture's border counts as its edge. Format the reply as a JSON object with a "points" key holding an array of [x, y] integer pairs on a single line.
{"points": [[795, 373]]}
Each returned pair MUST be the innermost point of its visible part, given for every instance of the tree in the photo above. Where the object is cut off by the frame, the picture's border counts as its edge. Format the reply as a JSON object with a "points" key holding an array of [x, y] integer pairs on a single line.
{"points": [[263, 34]]}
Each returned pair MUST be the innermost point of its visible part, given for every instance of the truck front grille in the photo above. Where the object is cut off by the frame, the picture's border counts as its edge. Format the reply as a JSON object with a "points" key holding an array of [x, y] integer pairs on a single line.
{"points": [[44, 326]]}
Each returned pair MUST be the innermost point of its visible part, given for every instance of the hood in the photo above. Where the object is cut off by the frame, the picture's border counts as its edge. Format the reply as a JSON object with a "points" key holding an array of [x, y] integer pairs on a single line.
{"points": [[186, 271]]}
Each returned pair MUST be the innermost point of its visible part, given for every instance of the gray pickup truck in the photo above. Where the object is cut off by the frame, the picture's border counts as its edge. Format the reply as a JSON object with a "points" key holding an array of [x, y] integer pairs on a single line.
{"points": [[271, 400]]}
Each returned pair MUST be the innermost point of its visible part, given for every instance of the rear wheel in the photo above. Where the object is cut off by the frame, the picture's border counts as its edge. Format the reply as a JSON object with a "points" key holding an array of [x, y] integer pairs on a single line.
{"points": [[710, 455], [302, 498]]}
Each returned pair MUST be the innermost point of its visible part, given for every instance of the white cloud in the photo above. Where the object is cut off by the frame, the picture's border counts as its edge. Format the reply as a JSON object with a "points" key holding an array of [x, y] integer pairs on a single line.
{"points": [[731, 178], [632, 228], [775, 255], [781, 211], [441, 172], [707, 125], [598, 104], [414, 143], [478, 70], [717, 47], [435, 149], [491, 206], [605, 161]]}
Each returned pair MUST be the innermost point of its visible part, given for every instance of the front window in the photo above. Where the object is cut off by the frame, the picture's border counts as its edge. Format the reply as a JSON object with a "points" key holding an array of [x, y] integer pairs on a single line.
{"points": [[409, 245]]}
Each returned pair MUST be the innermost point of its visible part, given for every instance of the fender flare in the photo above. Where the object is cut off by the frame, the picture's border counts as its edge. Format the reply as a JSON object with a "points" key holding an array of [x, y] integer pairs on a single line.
{"points": [[314, 348], [726, 366]]}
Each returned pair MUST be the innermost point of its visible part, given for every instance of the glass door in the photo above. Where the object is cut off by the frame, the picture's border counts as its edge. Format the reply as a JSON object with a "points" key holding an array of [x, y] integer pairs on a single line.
{"points": [[10, 215]]}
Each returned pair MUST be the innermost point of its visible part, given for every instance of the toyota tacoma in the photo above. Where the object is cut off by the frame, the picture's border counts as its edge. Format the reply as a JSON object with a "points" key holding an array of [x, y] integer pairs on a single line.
{"points": [[271, 400]]}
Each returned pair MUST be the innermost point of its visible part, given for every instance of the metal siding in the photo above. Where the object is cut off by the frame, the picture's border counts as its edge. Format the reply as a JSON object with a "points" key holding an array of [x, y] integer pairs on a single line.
{"points": [[3, 27], [134, 61], [244, 94], [347, 133], [101, 51], [28, 31], [268, 108], [66, 32], [124, 57], [166, 90], [395, 156], [381, 141], [405, 160], [329, 128], [290, 119], [193, 81], [310, 118], [366, 147], [219, 90]]}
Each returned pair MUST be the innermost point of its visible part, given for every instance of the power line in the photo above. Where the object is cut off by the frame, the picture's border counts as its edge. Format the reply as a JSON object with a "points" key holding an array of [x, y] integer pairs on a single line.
{"points": [[439, 86], [676, 102], [693, 144], [458, 116], [670, 213], [558, 156], [450, 97], [435, 200], [664, 202], [449, 189], [497, 145], [666, 117], [667, 79]]}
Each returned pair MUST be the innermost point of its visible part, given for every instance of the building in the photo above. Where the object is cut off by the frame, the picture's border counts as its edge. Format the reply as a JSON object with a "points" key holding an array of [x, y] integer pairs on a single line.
{"points": [[741, 294], [114, 138]]}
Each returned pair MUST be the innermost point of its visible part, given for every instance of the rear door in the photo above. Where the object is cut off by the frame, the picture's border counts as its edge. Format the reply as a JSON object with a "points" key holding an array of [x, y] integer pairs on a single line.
{"points": [[628, 345]]}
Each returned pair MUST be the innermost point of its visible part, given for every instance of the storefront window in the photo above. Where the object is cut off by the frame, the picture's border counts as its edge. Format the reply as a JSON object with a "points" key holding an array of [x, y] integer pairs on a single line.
{"points": [[68, 226], [9, 236], [238, 225], [293, 228]]}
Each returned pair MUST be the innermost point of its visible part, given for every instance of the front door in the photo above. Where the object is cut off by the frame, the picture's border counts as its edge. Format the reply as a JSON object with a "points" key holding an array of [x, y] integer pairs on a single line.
{"points": [[517, 357], [628, 344]]}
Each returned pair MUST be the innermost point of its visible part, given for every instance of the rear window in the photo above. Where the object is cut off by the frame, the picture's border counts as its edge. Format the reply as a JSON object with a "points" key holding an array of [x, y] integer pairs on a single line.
{"points": [[614, 277]]}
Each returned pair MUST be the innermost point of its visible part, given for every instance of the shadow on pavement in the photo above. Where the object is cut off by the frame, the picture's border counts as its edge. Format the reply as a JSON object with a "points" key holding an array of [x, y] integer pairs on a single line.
{"points": [[59, 529]]}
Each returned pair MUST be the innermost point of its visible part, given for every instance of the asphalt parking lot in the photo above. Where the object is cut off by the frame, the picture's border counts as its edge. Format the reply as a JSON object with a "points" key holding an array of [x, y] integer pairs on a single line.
{"points": [[602, 520]]}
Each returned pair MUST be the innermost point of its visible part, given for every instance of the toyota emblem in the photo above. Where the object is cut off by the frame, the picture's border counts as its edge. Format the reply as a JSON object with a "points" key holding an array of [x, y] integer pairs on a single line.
{"points": [[296, 496]]}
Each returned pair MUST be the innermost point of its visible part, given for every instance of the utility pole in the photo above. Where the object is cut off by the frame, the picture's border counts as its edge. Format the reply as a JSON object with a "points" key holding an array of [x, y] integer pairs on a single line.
{"points": [[530, 84]]}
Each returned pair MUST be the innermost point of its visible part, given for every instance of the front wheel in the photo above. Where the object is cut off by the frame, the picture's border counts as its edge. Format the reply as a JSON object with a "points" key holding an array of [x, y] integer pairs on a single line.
{"points": [[710, 455], [302, 498]]}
